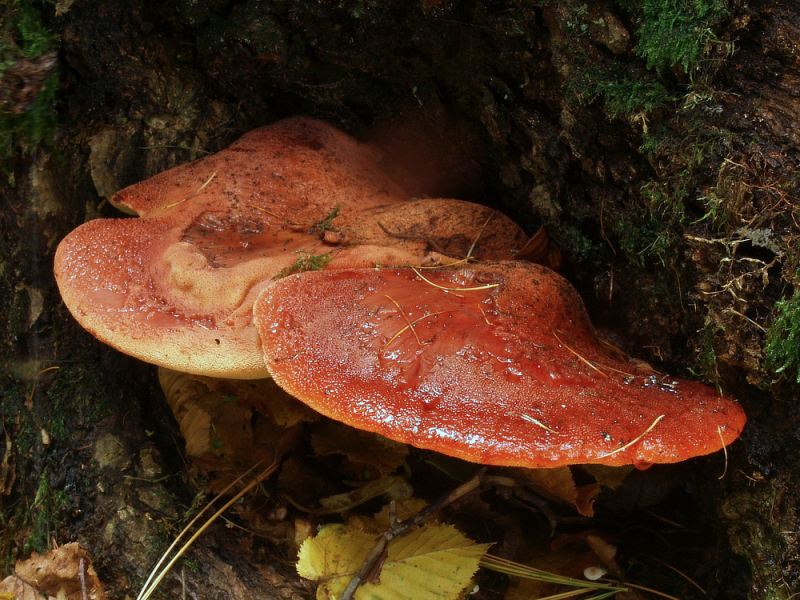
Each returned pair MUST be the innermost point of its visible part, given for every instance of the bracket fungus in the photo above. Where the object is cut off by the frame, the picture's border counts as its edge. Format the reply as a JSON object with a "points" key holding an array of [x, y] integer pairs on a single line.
{"points": [[495, 363], [176, 286]]}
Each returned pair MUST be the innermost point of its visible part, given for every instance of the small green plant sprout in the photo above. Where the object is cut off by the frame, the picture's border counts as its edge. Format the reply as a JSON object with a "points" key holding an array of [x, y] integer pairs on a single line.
{"points": [[306, 261], [783, 338], [326, 223]]}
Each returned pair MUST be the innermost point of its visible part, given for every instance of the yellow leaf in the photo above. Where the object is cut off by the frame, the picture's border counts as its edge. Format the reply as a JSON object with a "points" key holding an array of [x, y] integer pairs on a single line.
{"points": [[433, 562]]}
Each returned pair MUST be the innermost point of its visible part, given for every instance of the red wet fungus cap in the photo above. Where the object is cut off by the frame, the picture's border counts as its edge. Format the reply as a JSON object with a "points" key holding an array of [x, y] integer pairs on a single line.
{"points": [[453, 228], [495, 363], [176, 287]]}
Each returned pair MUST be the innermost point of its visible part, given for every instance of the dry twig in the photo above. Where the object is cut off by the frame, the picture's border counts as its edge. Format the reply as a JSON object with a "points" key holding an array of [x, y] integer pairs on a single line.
{"points": [[82, 576]]}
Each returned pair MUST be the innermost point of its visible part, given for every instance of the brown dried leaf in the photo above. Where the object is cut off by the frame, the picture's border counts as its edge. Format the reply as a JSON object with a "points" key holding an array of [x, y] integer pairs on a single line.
{"points": [[585, 497], [13, 587], [610, 477], [231, 421], [558, 484], [360, 447], [58, 570], [395, 488]]}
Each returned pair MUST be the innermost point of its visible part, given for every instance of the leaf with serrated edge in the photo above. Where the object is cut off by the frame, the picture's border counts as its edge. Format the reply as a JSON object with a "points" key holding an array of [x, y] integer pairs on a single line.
{"points": [[433, 562]]}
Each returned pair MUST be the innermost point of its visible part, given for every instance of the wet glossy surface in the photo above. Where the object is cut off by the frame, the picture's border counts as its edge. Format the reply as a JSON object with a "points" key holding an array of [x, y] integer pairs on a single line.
{"points": [[176, 286], [510, 373]]}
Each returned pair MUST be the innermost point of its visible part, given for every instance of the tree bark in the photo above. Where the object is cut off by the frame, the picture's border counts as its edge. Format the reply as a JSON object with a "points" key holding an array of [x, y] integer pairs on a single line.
{"points": [[669, 184]]}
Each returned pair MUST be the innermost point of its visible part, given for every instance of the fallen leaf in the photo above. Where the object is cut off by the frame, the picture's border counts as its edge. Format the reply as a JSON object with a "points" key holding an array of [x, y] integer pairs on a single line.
{"points": [[610, 477], [230, 421], [360, 447], [558, 484], [433, 562], [395, 488], [58, 571]]}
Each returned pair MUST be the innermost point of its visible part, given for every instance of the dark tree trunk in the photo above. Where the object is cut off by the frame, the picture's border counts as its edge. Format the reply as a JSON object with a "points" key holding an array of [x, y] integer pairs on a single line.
{"points": [[656, 141]]}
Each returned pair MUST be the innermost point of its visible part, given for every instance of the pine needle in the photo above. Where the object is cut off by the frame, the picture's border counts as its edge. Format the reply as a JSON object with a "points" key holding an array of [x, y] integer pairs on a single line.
{"points": [[656, 592], [508, 567], [407, 327], [405, 316], [636, 439], [488, 286], [274, 214], [591, 366], [153, 580], [455, 263], [193, 194], [530, 419]]}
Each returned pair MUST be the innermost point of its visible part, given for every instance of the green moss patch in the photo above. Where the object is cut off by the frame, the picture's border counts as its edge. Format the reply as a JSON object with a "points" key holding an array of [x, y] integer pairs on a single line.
{"points": [[28, 78], [675, 32], [783, 339]]}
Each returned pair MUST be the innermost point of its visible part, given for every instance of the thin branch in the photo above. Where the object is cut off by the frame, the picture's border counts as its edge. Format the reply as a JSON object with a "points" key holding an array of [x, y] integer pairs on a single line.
{"points": [[397, 529], [82, 576]]}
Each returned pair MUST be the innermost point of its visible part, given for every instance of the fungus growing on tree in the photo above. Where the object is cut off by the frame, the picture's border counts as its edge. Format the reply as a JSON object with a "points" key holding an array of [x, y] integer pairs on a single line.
{"points": [[176, 286], [495, 363], [449, 227]]}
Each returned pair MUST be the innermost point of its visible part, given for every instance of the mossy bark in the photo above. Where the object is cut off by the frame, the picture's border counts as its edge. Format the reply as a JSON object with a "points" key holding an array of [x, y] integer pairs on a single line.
{"points": [[671, 187]]}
